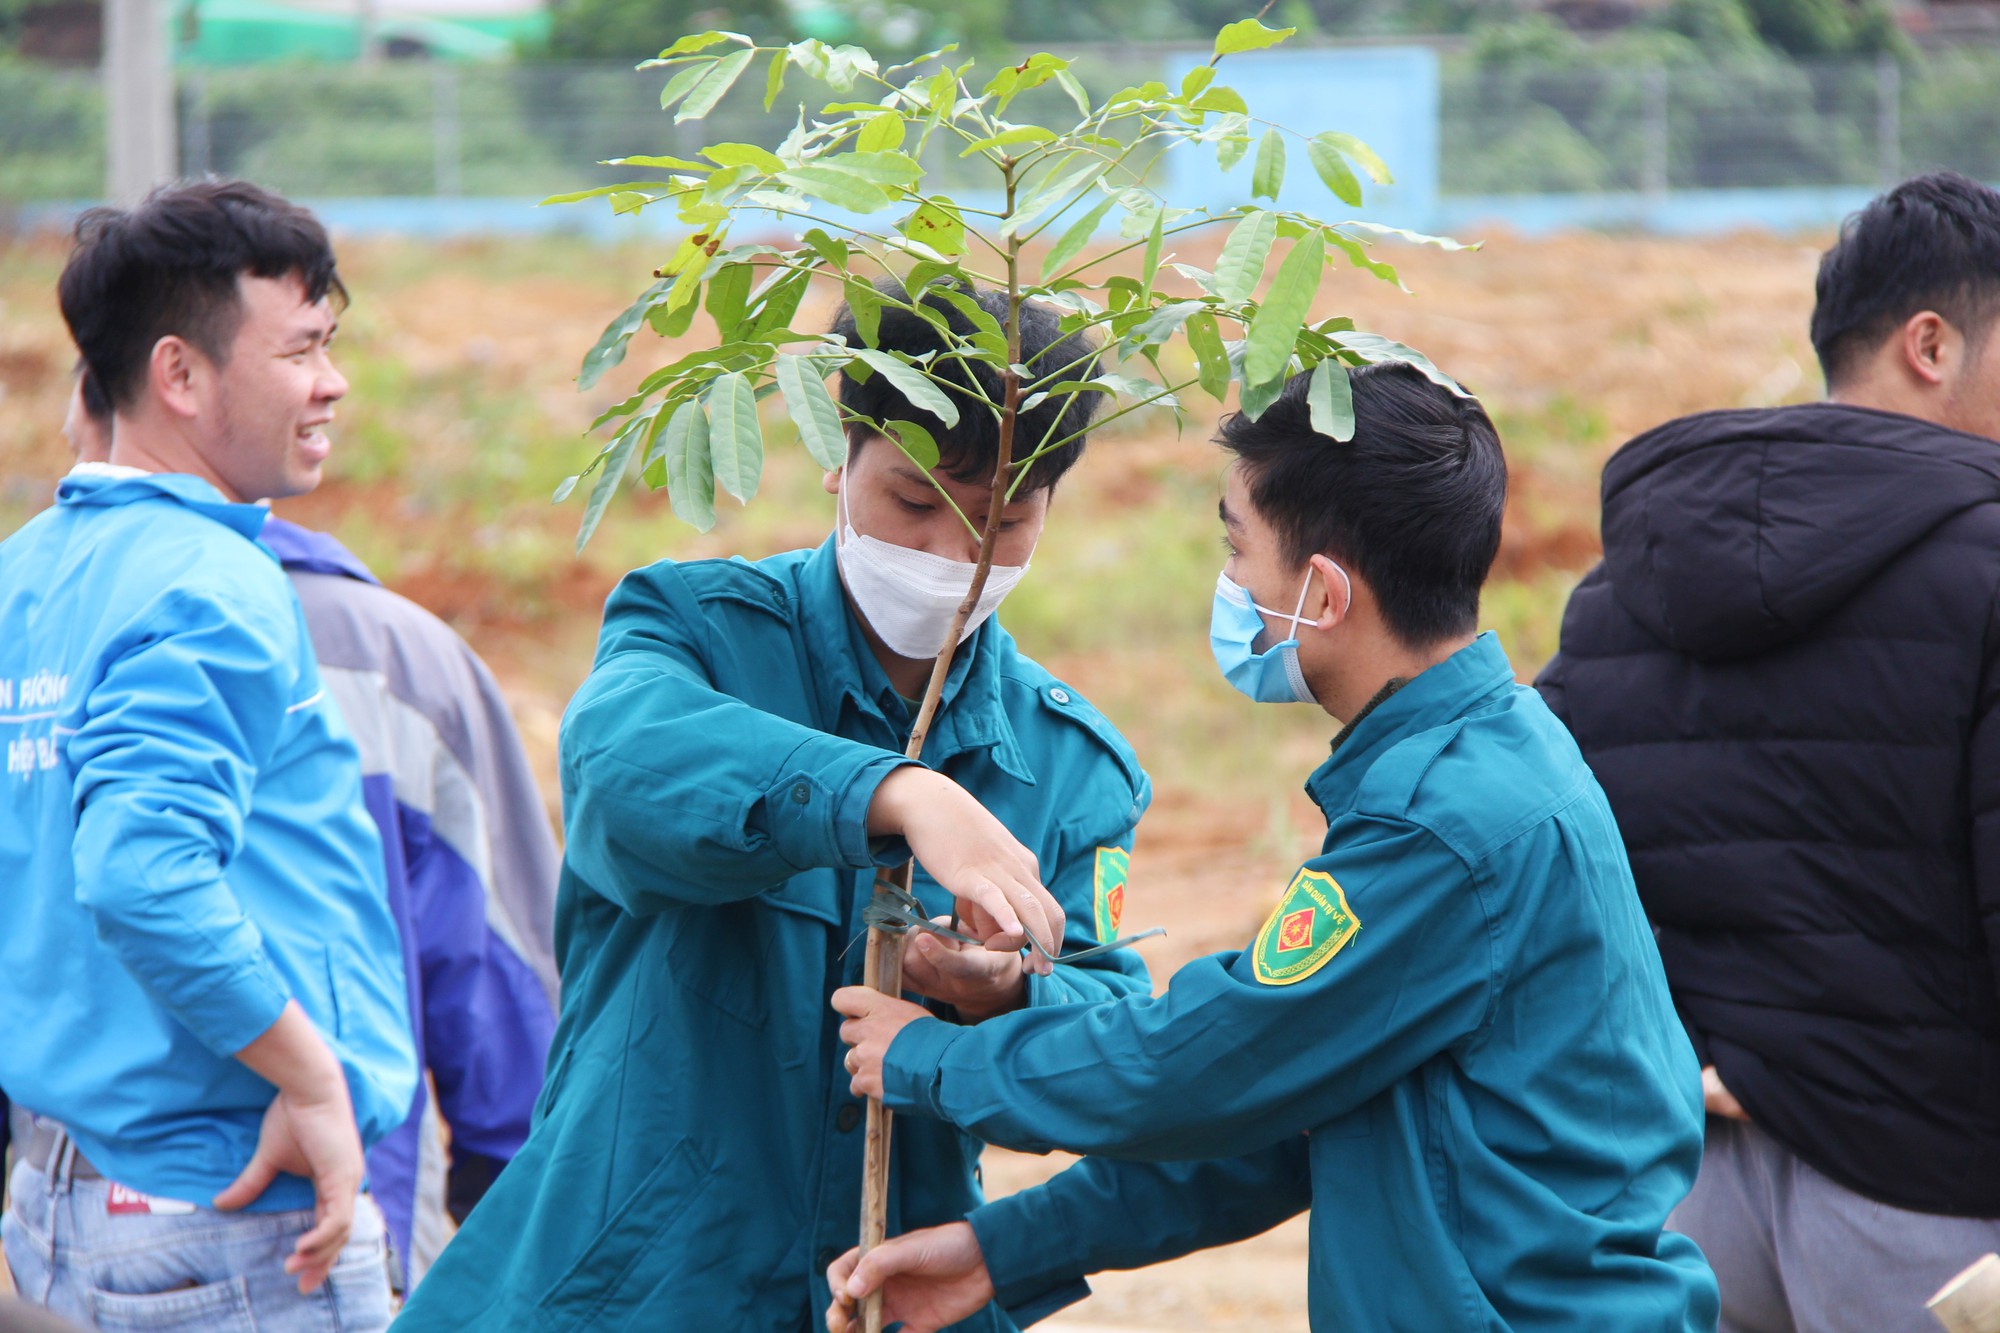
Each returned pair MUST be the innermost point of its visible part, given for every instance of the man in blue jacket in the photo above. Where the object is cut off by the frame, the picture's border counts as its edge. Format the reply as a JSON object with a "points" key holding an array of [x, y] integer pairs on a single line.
{"points": [[733, 781], [201, 986], [1451, 1040], [470, 859]]}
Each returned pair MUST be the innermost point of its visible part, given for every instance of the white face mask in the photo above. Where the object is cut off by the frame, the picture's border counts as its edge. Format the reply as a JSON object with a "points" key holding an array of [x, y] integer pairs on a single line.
{"points": [[909, 597]]}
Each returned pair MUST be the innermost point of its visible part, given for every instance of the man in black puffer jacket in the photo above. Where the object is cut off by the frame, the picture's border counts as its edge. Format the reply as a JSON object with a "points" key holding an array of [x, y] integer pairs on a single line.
{"points": [[1786, 674]]}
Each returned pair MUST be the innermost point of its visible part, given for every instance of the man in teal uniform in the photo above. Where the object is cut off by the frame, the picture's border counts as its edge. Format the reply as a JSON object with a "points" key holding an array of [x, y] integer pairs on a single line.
{"points": [[732, 781], [1451, 1040]]}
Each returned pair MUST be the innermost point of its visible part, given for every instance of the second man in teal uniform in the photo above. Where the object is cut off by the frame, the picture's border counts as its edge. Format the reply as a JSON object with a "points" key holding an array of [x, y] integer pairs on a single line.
{"points": [[1452, 1038], [732, 780]]}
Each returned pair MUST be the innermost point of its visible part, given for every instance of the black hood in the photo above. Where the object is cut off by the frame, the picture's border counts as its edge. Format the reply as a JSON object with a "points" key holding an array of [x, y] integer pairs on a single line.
{"points": [[1729, 533]]}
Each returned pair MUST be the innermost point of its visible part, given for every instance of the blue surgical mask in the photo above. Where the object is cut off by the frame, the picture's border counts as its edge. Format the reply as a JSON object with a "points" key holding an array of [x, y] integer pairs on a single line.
{"points": [[1272, 676]]}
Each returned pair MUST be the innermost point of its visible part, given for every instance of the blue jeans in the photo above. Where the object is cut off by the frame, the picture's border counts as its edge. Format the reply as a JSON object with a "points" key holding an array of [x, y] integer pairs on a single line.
{"points": [[198, 1270]]}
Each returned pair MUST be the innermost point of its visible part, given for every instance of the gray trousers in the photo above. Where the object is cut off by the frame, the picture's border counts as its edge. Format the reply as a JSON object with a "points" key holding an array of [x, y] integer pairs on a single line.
{"points": [[1796, 1253]]}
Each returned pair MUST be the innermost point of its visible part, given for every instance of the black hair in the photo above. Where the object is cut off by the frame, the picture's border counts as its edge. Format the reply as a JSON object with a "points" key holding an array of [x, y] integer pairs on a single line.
{"points": [[95, 405], [969, 450], [1412, 503], [1932, 243], [170, 267]]}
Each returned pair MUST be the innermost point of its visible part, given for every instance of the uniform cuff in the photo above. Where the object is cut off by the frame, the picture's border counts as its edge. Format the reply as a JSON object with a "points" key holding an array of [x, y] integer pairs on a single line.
{"points": [[239, 1008], [1029, 1257], [818, 807], [910, 1068]]}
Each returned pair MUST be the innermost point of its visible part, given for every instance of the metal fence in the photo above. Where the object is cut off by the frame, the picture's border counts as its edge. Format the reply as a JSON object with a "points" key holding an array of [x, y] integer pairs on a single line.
{"points": [[1536, 129], [421, 128]]}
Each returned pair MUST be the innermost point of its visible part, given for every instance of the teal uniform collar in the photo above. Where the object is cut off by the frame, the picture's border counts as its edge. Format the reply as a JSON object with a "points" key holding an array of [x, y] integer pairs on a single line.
{"points": [[971, 715], [104, 490], [1454, 687]]}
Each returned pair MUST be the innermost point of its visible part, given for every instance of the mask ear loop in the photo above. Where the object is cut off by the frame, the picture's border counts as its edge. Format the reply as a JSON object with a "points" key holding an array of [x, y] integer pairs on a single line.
{"points": [[1347, 603]]}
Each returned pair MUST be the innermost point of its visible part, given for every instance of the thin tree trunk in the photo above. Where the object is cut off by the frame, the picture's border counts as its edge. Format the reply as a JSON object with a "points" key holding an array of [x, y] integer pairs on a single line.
{"points": [[882, 967]]}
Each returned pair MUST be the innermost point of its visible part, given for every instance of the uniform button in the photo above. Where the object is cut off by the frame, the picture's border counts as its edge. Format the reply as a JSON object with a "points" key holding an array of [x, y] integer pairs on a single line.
{"points": [[802, 792], [849, 1117], [824, 1259], [1059, 694]]}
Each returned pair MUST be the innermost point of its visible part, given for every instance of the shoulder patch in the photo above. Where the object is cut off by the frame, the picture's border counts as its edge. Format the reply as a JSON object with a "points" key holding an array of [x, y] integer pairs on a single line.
{"points": [[1312, 923], [1114, 867]]}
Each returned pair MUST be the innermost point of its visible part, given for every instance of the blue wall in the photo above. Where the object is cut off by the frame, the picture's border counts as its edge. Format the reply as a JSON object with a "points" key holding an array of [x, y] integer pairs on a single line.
{"points": [[1385, 96]]}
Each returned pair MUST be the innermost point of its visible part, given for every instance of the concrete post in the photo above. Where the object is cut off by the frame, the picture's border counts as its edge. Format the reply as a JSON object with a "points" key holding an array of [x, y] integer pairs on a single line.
{"points": [[139, 90]]}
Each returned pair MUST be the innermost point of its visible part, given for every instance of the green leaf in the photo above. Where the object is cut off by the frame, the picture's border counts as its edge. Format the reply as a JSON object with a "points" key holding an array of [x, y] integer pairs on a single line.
{"points": [[915, 441], [1229, 150], [1161, 325], [1075, 237], [1226, 101], [736, 437], [1050, 198], [1211, 360], [1358, 255], [683, 83], [1009, 138], [1149, 267], [1360, 153], [1275, 329], [1256, 397], [671, 323], [689, 266], [881, 133], [1334, 171], [1268, 176], [1014, 80], [881, 168], [701, 99], [616, 460], [628, 201], [1069, 84], [564, 487], [987, 335], [1248, 35], [865, 303], [1413, 237], [774, 82], [690, 470], [729, 297], [1240, 266], [812, 410], [936, 224], [610, 348], [833, 253], [744, 155], [1197, 79], [700, 41], [662, 163], [1374, 347], [1330, 400], [913, 384], [776, 302], [599, 192], [838, 186]]}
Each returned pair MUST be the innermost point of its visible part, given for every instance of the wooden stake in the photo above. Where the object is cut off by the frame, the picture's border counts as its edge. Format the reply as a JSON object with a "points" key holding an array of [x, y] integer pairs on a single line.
{"points": [[882, 965]]}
